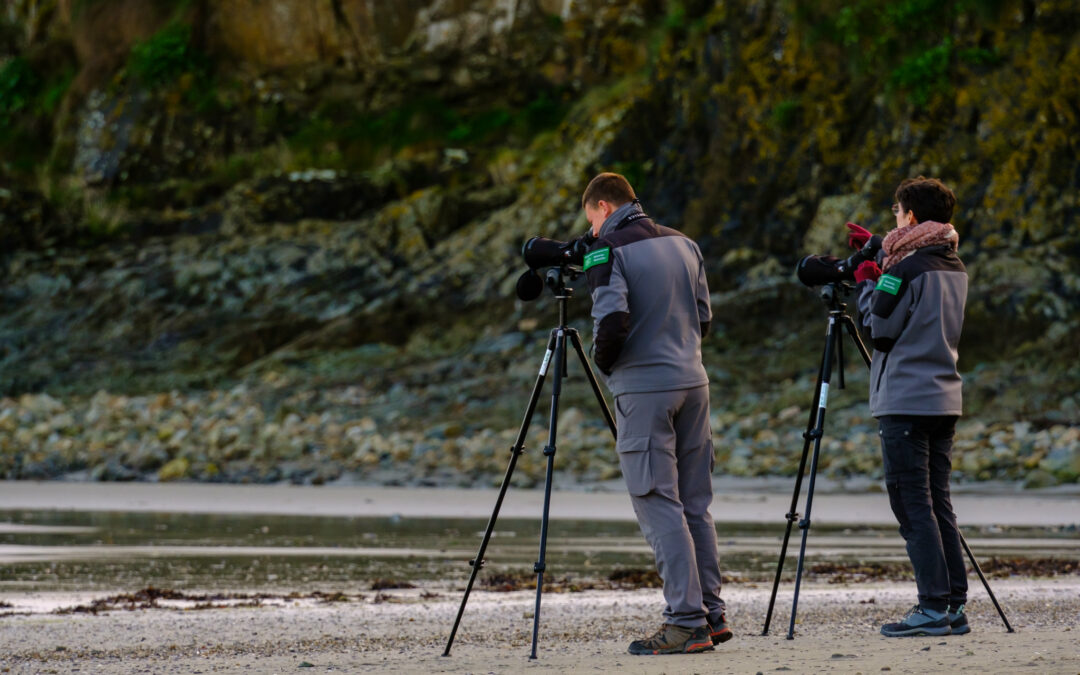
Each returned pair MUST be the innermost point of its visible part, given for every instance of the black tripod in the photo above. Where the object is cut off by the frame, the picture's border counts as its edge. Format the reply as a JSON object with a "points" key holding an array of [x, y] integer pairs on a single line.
{"points": [[556, 349], [832, 295]]}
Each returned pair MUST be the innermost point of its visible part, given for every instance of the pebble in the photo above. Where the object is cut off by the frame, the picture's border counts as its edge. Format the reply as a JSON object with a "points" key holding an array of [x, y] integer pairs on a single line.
{"points": [[234, 435]]}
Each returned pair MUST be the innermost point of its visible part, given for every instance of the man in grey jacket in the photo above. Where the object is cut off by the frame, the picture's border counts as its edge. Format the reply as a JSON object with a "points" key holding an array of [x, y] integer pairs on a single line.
{"points": [[913, 306], [650, 311]]}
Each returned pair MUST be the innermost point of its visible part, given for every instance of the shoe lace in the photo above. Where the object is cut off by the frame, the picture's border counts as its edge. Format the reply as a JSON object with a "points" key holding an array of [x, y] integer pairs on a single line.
{"points": [[914, 610], [658, 637]]}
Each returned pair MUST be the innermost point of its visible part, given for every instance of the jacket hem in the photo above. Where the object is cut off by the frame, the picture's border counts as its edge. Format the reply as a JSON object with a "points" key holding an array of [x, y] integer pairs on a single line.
{"points": [[917, 413], [656, 388]]}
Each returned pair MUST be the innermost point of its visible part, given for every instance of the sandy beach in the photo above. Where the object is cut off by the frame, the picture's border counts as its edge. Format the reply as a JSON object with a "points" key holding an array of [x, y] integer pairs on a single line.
{"points": [[405, 630], [582, 632]]}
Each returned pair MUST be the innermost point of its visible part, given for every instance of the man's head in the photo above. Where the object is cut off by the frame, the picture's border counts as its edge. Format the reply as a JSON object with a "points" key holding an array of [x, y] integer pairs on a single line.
{"points": [[921, 199], [604, 194]]}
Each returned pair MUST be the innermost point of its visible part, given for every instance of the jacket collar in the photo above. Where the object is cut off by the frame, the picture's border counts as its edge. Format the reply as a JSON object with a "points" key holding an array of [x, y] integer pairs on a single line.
{"points": [[618, 216]]}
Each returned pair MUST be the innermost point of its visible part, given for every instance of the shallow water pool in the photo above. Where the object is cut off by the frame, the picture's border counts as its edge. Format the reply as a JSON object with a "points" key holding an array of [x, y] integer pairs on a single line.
{"points": [[91, 551]]}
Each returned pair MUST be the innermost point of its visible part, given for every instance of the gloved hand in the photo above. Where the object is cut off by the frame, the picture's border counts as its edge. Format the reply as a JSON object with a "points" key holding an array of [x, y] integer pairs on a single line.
{"points": [[867, 270], [858, 236]]}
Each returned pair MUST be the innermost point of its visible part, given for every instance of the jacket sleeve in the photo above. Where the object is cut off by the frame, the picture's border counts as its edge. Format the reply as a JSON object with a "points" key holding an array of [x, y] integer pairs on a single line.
{"points": [[864, 299], [889, 304], [610, 310], [703, 305]]}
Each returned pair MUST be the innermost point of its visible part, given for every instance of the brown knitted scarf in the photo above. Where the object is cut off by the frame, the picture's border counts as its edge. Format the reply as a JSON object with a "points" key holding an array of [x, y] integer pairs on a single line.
{"points": [[903, 241]]}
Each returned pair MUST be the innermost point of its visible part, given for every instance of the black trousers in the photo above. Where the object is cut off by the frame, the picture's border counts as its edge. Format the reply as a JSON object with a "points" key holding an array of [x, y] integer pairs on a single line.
{"points": [[917, 452]]}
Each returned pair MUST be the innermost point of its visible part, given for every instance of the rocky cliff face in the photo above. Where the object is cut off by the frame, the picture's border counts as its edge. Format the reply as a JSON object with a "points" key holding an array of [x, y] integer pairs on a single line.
{"points": [[299, 195]]}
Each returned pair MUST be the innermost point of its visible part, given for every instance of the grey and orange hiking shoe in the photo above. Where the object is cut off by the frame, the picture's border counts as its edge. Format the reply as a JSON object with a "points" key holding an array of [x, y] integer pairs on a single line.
{"points": [[958, 621], [671, 639], [919, 621], [719, 630]]}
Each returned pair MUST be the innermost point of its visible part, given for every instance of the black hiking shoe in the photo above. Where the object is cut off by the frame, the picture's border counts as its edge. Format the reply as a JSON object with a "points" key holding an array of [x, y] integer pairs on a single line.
{"points": [[919, 621], [671, 639], [719, 630], [958, 621]]}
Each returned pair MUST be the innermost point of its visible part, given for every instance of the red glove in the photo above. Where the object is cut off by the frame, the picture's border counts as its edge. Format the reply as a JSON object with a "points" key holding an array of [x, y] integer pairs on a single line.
{"points": [[858, 236], [867, 270]]}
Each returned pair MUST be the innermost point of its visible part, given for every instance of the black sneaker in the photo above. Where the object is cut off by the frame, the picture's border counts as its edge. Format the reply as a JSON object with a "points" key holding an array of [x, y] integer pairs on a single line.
{"points": [[719, 630], [919, 621], [958, 621], [671, 639]]}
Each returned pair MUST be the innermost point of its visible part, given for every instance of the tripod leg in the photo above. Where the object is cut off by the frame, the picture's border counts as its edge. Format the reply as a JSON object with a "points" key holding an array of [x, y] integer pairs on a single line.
{"points": [[840, 359], [549, 452], [982, 578], [832, 339], [792, 515], [576, 340], [515, 452], [853, 331]]}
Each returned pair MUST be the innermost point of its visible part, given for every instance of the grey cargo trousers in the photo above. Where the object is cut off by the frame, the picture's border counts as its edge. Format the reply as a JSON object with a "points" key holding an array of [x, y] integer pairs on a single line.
{"points": [[666, 456]]}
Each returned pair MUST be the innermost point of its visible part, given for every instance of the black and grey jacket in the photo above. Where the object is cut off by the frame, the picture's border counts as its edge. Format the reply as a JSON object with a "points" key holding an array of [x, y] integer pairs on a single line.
{"points": [[650, 304], [915, 314]]}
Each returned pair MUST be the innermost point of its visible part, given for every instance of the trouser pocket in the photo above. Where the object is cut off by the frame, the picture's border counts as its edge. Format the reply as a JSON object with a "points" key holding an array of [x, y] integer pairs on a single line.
{"points": [[905, 463], [903, 451], [896, 501], [635, 464]]}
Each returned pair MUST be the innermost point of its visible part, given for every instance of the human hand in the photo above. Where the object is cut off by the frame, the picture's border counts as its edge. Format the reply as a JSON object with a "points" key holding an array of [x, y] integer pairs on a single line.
{"points": [[868, 270], [858, 236]]}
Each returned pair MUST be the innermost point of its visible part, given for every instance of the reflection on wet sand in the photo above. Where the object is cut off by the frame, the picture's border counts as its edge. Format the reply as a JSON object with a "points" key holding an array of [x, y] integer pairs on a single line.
{"points": [[73, 551]]}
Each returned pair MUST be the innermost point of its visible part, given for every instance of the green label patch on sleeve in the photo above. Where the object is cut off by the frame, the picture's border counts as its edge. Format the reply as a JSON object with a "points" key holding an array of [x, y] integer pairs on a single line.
{"points": [[889, 284], [598, 257]]}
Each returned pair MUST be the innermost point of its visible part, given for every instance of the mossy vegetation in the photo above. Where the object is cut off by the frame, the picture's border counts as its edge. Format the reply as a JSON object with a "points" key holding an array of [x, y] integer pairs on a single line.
{"points": [[29, 99], [340, 134], [19, 85], [165, 56], [910, 44]]}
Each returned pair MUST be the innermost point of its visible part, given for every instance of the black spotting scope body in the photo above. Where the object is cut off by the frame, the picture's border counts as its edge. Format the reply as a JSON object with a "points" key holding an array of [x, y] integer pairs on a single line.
{"points": [[818, 270], [541, 252]]}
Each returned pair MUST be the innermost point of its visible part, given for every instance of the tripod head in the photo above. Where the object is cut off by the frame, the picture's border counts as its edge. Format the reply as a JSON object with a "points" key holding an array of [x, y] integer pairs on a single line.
{"points": [[556, 277], [834, 293], [531, 285]]}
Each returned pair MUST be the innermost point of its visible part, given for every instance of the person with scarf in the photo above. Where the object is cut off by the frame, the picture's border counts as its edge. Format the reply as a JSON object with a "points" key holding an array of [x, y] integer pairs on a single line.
{"points": [[913, 306]]}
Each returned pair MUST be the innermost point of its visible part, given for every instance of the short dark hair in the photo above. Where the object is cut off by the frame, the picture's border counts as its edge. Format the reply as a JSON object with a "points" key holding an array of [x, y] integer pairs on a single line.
{"points": [[610, 187], [927, 198]]}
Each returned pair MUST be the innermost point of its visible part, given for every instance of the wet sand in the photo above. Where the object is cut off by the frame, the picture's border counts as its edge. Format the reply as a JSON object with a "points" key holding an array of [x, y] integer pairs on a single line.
{"points": [[405, 631]]}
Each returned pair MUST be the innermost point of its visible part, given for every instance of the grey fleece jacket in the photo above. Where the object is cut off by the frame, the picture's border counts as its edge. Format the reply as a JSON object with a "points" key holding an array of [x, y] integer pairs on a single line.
{"points": [[915, 314], [650, 304]]}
